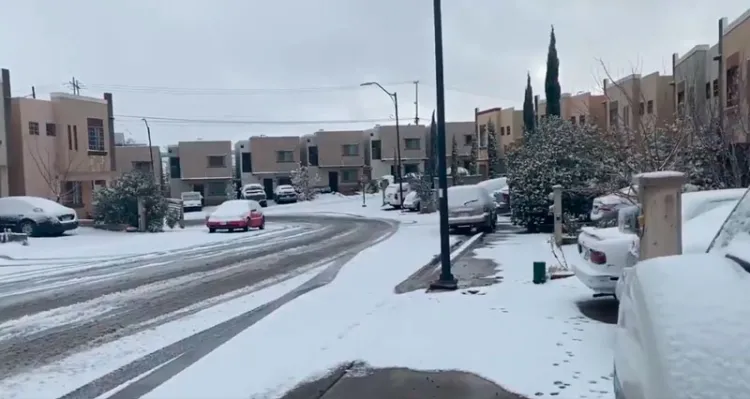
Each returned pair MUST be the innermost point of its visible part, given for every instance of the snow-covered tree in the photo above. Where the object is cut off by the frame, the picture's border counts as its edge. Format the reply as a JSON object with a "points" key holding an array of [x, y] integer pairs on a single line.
{"points": [[473, 156], [118, 203], [454, 162], [426, 195], [305, 182], [493, 157]]}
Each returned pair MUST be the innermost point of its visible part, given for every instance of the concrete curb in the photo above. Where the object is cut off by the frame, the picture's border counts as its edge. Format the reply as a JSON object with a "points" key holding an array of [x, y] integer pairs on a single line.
{"points": [[458, 249]]}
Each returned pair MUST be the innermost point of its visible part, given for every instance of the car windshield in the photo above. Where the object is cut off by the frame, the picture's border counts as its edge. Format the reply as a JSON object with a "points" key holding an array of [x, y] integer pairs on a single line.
{"points": [[286, 188], [253, 188], [232, 208], [463, 196], [734, 236], [191, 196]]}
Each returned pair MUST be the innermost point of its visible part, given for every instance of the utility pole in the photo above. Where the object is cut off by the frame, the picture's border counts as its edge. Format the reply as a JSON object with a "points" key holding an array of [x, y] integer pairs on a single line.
{"points": [[151, 151], [75, 86], [416, 102]]}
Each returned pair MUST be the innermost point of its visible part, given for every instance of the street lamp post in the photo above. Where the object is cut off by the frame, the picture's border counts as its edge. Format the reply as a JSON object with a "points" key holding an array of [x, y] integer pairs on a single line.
{"points": [[394, 98], [446, 281]]}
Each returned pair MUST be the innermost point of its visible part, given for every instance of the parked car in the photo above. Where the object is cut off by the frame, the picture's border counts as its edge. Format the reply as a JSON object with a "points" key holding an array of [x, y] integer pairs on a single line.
{"points": [[36, 216], [192, 201], [682, 322], [255, 192], [471, 206], [392, 195], [236, 215], [498, 188], [285, 194], [605, 207], [411, 201], [606, 252]]}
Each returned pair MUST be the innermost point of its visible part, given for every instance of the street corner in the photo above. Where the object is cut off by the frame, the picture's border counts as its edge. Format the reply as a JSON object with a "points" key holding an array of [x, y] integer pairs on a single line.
{"points": [[358, 380]]}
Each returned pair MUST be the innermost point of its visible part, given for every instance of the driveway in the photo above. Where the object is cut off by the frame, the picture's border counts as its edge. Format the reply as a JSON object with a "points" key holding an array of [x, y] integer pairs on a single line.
{"points": [[120, 299]]}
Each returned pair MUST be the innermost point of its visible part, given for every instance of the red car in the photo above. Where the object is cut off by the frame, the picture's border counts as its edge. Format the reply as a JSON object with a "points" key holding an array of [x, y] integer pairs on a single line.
{"points": [[236, 215]]}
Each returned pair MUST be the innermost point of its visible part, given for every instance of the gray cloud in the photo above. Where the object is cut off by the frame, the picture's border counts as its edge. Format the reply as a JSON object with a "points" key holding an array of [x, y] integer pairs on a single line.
{"points": [[246, 44]]}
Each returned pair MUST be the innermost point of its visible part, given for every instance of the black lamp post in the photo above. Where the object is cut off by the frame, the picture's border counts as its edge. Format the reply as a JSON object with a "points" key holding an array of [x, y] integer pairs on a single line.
{"points": [[394, 97], [446, 281]]}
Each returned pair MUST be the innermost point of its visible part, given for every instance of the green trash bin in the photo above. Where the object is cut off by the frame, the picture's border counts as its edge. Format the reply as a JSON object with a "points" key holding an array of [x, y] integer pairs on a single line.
{"points": [[540, 272]]}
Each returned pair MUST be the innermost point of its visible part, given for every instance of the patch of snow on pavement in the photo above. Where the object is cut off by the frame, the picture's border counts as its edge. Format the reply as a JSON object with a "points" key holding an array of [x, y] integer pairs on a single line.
{"points": [[57, 379], [525, 337]]}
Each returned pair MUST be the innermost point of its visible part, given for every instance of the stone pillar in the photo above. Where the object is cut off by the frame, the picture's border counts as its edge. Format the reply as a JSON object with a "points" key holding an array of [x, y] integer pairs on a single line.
{"points": [[557, 211], [660, 195]]}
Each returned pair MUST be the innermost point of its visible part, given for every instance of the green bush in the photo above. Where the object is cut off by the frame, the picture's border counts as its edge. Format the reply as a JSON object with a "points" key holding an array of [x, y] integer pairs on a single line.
{"points": [[118, 203]]}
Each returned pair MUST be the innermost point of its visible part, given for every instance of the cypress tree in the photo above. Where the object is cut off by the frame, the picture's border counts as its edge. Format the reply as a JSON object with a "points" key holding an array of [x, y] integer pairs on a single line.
{"points": [[551, 81], [529, 117]]}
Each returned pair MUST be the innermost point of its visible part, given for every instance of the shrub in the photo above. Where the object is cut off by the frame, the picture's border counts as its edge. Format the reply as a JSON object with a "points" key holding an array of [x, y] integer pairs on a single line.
{"points": [[118, 203]]}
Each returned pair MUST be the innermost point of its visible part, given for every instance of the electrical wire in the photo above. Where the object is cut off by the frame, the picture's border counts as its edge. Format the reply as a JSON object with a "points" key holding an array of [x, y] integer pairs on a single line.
{"points": [[192, 121], [226, 91]]}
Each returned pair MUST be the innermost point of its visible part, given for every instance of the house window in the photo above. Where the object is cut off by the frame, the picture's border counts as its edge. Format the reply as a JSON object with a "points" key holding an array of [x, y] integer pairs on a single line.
{"points": [[216, 189], [34, 128], [217, 161], [411, 168], [626, 116], [96, 134], [468, 139], [377, 149], [75, 137], [51, 129], [72, 194], [708, 90], [349, 176], [247, 162], [97, 184], [312, 155], [483, 136], [175, 170], [142, 166], [732, 86], [582, 119], [70, 139], [613, 116], [650, 107], [715, 85], [350, 150], [507, 130], [573, 120], [284, 156], [680, 97], [412, 144], [502, 130], [641, 108]]}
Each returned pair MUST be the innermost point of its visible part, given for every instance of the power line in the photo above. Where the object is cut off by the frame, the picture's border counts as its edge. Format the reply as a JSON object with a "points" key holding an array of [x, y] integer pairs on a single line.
{"points": [[226, 91], [192, 121]]}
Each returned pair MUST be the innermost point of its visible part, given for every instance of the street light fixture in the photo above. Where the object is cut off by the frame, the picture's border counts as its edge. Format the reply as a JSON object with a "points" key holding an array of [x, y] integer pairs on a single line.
{"points": [[394, 98], [446, 281]]}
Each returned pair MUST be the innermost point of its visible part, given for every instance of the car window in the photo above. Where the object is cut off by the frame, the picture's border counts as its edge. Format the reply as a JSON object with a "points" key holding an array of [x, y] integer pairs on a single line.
{"points": [[734, 234], [12, 205], [464, 195]]}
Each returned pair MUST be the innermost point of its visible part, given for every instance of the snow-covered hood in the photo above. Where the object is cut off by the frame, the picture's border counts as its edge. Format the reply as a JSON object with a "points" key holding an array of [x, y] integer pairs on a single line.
{"points": [[699, 342]]}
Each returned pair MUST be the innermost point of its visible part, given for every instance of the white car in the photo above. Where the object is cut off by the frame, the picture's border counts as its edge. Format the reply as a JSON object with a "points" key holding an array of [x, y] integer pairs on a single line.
{"points": [[285, 194], [255, 192], [606, 206], [192, 201], [392, 195], [683, 321], [605, 252], [411, 202]]}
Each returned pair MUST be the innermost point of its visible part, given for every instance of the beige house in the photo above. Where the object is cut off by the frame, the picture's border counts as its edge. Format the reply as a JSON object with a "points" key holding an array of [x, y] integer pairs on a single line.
{"points": [[585, 108], [735, 84], [202, 166], [636, 101], [138, 157], [61, 148], [273, 159], [340, 158], [508, 129], [465, 135], [413, 149]]}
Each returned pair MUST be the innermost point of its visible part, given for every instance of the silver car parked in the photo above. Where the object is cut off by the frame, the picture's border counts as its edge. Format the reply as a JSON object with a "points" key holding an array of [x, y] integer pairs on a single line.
{"points": [[471, 206]]}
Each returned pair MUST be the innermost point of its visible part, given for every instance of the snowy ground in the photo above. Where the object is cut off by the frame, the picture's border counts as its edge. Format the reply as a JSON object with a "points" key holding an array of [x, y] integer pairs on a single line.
{"points": [[523, 336]]}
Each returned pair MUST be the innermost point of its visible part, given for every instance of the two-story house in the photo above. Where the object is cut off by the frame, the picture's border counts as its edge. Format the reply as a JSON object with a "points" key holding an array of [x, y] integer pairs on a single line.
{"points": [[61, 148], [384, 150], [202, 166], [273, 159], [340, 158]]}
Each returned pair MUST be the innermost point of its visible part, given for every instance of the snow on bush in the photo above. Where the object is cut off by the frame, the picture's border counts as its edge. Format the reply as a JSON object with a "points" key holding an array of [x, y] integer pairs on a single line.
{"points": [[305, 182], [493, 157], [118, 203], [423, 186]]}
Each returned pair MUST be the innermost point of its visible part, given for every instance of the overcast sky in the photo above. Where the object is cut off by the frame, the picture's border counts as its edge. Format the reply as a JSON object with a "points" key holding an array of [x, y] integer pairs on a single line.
{"points": [[242, 60]]}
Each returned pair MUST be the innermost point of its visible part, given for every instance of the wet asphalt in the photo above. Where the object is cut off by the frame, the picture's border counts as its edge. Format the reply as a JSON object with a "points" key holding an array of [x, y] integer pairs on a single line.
{"points": [[223, 268]]}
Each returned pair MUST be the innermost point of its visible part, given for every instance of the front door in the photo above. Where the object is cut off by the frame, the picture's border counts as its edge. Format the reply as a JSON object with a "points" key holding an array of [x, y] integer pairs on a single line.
{"points": [[268, 187], [333, 181], [200, 189]]}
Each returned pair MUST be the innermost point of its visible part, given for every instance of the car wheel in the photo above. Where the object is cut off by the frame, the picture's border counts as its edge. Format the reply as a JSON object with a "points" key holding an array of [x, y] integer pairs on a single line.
{"points": [[418, 207], [262, 224], [27, 227], [264, 204], [247, 226], [212, 230]]}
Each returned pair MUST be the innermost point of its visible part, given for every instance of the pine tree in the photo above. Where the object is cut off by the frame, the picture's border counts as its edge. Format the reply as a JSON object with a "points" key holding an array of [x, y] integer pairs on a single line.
{"points": [[305, 182], [493, 161], [433, 160], [454, 162], [473, 156], [529, 117], [551, 81]]}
